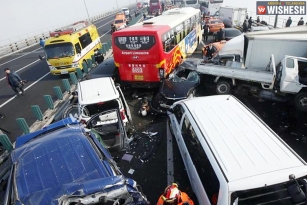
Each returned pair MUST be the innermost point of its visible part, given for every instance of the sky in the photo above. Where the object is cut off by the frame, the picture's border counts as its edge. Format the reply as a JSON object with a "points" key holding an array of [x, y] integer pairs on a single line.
{"points": [[21, 19]]}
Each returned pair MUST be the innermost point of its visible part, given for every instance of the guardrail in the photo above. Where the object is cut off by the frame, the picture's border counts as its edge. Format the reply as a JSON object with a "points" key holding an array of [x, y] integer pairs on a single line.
{"points": [[22, 42]]}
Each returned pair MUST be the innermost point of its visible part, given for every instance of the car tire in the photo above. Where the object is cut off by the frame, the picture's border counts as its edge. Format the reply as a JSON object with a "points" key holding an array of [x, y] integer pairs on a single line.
{"points": [[223, 87], [301, 101]]}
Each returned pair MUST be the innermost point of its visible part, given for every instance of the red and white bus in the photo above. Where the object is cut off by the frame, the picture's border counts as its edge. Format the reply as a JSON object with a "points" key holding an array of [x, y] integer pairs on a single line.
{"points": [[148, 51]]}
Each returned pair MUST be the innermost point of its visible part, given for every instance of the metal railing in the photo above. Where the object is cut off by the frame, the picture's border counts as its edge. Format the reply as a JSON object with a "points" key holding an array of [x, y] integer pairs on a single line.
{"points": [[270, 20], [22, 42]]}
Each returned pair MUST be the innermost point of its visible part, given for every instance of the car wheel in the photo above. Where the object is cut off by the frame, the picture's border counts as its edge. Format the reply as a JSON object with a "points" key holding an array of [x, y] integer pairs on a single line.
{"points": [[301, 101], [223, 87]]}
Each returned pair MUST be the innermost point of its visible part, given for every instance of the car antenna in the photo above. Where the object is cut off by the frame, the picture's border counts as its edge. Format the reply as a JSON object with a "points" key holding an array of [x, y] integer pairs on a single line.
{"points": [[228, 97]]}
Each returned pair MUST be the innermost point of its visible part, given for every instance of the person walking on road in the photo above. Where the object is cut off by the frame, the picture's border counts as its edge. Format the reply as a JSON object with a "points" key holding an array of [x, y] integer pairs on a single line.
{"points": [[173, 196], [14, 81], [41, 42], [289, 22], [300, 22]]}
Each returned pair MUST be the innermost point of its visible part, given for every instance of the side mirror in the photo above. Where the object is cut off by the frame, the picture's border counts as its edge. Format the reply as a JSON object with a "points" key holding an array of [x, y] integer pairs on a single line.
{"points": [[40, 57]]}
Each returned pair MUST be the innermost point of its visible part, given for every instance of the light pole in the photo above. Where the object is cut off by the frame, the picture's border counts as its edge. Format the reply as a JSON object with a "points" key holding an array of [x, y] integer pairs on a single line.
{"points": [[86, 10], [117, 4], [276, 17]]}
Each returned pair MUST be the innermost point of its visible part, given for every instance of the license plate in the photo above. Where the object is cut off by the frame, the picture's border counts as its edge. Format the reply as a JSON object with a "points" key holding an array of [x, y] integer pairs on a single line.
{"points": [[138, 77], [64, 71], [137, 70]]}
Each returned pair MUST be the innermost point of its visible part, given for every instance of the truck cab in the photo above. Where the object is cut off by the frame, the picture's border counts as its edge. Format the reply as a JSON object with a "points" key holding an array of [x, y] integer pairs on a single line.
{"points": [[120, 21]]}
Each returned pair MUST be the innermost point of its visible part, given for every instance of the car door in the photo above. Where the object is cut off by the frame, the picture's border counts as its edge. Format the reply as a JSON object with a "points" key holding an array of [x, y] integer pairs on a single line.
{"points": [[125, 104], [109, 129]]}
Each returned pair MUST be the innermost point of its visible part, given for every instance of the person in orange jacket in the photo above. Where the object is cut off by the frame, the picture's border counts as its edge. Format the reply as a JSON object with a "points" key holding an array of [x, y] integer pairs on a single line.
{"points": [[173, 196]]}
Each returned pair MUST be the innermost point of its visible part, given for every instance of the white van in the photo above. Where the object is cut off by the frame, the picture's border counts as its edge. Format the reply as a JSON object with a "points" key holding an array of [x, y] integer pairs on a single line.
{"points": [[98, 95], [232, 157]]}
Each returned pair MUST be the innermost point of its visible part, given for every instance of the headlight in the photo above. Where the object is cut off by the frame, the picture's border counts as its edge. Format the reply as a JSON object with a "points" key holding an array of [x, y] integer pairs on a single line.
{"points": [[52, 67], [75, 65]]}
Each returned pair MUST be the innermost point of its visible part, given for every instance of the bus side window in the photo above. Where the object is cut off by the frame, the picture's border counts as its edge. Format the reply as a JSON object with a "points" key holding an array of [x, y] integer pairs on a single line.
{"points": [[78, 48]]}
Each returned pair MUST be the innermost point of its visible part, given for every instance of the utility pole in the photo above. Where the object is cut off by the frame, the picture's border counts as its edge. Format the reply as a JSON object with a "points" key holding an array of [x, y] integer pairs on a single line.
{"points": [[88, 16], [276, 17], [117, 4]]}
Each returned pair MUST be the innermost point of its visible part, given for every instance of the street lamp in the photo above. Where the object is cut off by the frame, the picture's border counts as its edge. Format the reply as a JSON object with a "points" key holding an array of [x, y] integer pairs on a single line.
{"points": [[86, 10], [276, 17], [117, 4]]}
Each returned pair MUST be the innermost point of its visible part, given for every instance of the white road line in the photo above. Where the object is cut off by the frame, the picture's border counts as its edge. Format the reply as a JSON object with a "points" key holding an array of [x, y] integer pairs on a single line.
{"points": [[12, 98], [22, 68], [105, 24], [19, 57], [169, 155]]}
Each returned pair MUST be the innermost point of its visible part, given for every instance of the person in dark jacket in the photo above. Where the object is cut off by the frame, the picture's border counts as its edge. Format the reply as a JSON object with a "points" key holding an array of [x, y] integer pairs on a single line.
{"points": [[206, 32], [300, 22], [14, 81], [221, 34], [245, 26], [289, 22], [250, 21], [258, 19]]}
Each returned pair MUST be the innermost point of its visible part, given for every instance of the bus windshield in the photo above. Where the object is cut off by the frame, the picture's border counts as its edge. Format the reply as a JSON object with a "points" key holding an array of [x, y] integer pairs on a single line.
{"points": [[135, 42], [60, 50]]}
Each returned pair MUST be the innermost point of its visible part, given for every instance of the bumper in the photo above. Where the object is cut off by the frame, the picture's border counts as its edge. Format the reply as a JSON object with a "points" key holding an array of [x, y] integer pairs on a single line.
{"points": [[63, 71]]}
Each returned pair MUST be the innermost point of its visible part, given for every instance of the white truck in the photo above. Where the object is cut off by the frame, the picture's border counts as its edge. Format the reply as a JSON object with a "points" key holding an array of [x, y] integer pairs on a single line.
{"points": [[253, 48], [284, 81], [232, 17]]}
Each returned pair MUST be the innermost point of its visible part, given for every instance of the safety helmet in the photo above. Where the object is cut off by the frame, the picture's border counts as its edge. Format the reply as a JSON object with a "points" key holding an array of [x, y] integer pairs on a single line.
{"points": [[171, 193], [143, 111]]}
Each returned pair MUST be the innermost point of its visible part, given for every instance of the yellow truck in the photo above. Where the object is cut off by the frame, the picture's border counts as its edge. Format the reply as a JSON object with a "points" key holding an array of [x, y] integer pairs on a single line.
{"points": [[68, 47]]}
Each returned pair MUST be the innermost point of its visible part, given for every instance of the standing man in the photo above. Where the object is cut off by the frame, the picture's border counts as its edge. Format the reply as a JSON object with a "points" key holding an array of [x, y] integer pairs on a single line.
{"points": [[245, 26], [14, 81], [250, 21], [206, 32], [289, 22], [300, 22], [41, 42]]}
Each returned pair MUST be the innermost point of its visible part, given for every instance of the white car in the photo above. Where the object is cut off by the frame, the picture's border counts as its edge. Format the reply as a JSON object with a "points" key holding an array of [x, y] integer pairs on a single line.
{"points": [[126, 11], [101, 94]]}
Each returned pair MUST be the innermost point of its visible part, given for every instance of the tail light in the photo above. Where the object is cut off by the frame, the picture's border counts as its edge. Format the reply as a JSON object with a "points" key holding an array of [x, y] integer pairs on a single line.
{"points": [[82, 121], [117, 135], [122, 114]]}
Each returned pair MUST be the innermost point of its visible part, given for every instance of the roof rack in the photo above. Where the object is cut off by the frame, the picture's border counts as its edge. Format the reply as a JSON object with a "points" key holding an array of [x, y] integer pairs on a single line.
{"points": [[70, 29]]}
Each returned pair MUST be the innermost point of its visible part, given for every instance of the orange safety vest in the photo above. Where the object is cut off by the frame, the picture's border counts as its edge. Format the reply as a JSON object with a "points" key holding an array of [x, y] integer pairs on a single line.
{"points": [[185, 199]]}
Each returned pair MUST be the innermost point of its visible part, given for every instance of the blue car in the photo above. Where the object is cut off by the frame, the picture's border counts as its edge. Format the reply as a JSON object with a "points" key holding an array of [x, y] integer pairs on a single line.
{"points": [[63, 164]]}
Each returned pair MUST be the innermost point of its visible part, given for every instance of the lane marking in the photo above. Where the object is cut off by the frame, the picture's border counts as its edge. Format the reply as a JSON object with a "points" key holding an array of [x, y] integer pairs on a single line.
{"points": [[15, 96], [20, 56], [22, 68], [169, 155]]}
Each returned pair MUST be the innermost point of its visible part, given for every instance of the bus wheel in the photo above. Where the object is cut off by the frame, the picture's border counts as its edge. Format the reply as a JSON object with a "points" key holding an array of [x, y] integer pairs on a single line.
{"points": [[301, 101], [223, 87]]}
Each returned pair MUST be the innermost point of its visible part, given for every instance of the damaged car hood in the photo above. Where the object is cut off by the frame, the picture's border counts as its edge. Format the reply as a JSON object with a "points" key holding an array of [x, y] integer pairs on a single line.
{"points": [[176, 90]]}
